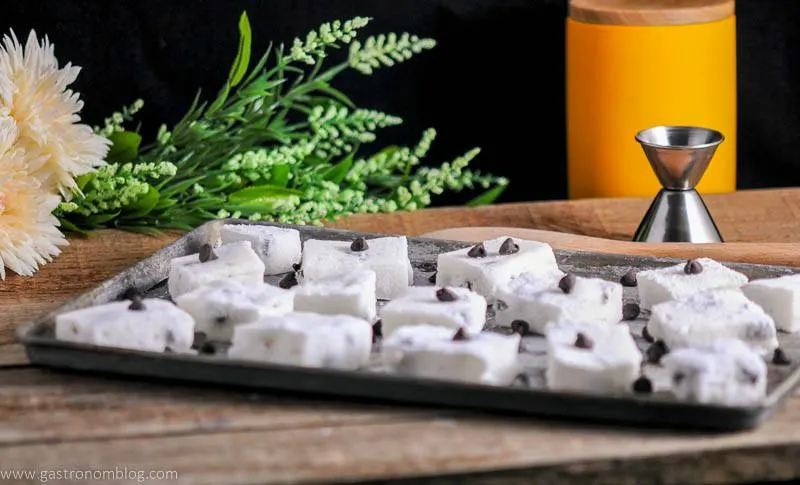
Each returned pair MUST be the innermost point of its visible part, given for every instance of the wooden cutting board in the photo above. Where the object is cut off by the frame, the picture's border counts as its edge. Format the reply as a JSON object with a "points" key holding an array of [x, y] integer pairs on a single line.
{"points": [[782, 254]]}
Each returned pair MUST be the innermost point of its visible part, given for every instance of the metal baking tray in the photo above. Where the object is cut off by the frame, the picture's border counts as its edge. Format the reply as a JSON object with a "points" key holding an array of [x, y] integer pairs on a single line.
{"points": [[533, 398]]}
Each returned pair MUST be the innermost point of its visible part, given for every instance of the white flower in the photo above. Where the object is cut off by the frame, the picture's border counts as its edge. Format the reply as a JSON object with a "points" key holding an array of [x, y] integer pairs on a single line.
{"points": [[33, 91], [29, 235]]}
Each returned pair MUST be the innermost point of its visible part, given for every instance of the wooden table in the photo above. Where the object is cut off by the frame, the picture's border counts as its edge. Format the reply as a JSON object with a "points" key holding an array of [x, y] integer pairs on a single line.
{"points": [[57, 422]]}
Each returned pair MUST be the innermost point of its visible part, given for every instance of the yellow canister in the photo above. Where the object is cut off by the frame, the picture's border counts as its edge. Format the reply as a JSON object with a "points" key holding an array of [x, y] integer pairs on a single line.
{"points": [[634, 64]]}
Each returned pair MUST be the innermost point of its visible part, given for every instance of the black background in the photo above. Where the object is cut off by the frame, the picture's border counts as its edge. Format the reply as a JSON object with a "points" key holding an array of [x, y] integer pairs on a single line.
{"points": [[496, 79]]}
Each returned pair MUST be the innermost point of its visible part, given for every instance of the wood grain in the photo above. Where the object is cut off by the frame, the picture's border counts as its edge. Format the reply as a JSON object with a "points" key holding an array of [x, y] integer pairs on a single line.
{"points": [[746, 216], [650, 12], [781, 254], [45, 406], [437, 446]]}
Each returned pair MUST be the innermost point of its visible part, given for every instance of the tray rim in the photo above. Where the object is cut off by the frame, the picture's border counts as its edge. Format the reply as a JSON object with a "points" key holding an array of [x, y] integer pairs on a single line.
{"points": [[748, 416]]}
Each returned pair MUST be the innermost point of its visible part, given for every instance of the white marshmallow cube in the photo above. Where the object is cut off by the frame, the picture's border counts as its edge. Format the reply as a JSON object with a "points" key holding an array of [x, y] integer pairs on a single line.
{"points": [[279, 248], [420, 304], [235, 261], [429, 351], [673, 283], [386, 256], [154, 328], [348, 293], [705, 317], [305, 339], [725, 372], [485, 274], [537, 300], [609, 366], [222, 305], [780, 298]]}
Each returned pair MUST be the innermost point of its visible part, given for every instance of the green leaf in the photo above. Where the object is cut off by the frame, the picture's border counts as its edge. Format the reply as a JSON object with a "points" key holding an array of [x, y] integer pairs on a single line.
{"points": [[181, 186], [125, 146], [487, 197], [336, 94], [242, 61], [280, 175], [69, 226], [221, 98], [84, 179], [338, 172], [100, 219], [164, 203], [144, 204], [261, 193]]}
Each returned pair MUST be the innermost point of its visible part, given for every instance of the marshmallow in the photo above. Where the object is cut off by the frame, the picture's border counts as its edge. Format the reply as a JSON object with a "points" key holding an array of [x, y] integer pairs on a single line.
{"points": [[154, 327], [604, 360], [537, 300], [279, 248], [222, 305], [724, 372], [674, 283], [236, 261], [386, 256], [705, 317], [452, 308], [431, 352], [780, 298], [306, 340], [349, 293], [487, 269]]}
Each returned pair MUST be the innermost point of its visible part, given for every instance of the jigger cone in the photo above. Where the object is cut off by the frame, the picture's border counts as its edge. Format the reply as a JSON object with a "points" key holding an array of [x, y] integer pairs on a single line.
{"points": [[679, 156]]}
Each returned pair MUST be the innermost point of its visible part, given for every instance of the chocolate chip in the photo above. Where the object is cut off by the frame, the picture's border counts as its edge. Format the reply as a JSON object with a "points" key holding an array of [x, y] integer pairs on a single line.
{"points": [[779, 357], [460, 335], [221, 320], [693, 267], [749, 376], [508, 247], [208, 348], [522, 380], [567, 283], [678, 377], [630, 311], [643, 385], [477, 251], [500, 305], [443, 294], [207, 253], [432, 278], [136, 304], [297, 266], [629, 279], [656, 351], [469, 285], [646, 335], [359, 244], [583, 342], [199, 339], [521, 327], [288, 281], [169, 338], [377, 331]]}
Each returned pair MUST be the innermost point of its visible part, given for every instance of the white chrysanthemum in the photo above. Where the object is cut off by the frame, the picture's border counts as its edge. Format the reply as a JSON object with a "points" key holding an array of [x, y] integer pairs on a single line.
{"points": [[29, 235], [33, 91]]}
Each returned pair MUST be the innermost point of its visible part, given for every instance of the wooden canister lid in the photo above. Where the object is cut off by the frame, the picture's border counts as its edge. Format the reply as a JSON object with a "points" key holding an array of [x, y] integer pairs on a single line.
{"points": [[650, 12]]}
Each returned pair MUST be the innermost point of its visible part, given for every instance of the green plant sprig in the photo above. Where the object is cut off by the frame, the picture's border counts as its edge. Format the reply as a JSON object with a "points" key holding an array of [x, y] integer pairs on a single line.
{"points": [[277, 143]]}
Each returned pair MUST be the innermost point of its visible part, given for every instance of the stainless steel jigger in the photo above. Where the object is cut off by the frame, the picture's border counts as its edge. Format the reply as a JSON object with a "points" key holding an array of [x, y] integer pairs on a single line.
{"points": [[679, 156]]}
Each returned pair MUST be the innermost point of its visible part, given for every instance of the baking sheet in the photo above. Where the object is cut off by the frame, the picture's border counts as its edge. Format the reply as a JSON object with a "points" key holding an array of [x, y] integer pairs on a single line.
{"points": [[377, 383]]}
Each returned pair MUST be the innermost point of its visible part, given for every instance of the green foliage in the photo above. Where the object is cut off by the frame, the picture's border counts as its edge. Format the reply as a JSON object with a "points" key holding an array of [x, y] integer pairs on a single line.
{"points": [[278, 143]]}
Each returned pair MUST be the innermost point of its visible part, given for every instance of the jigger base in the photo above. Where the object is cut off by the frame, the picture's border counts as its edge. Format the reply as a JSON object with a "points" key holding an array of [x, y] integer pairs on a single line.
{"points": [[678, 216]]}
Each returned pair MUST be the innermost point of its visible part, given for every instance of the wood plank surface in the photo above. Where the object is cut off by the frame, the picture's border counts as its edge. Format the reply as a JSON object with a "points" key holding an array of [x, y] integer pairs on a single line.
{"points": [[437, 446], [218, 437]]}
